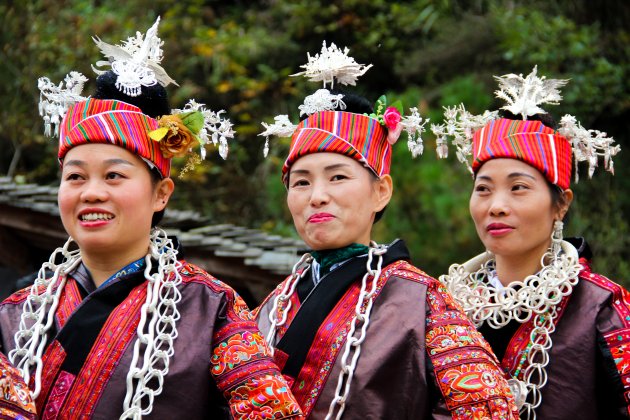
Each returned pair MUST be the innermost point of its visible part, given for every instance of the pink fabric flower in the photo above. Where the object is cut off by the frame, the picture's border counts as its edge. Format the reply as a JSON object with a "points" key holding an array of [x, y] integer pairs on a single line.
{"points": [[391, 117]]}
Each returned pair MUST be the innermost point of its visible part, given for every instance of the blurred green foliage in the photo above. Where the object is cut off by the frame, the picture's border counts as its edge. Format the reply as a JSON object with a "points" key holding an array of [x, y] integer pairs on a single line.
{"points": [[238, 56]]}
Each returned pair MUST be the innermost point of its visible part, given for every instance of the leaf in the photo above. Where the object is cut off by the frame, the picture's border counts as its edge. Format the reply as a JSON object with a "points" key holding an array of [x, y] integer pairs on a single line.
{"points": [[158, 134], [381, 104], [193, 120], [399, 106]]}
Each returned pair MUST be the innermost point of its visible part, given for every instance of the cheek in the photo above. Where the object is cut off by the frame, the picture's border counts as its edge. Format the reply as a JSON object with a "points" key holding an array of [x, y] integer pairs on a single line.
{"points": [[65, 199], [475, 209], [294, 203]]}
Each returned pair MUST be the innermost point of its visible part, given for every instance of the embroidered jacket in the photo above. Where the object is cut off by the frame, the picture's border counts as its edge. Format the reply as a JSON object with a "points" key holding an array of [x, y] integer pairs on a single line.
{"points": [[421, 358], [221, 366], [588, 375]]}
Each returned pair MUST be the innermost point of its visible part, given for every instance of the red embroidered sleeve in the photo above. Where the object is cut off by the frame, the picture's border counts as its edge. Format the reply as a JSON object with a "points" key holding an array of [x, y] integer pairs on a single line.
{"points": [[244, 371], [617, 340], [15, 400], [467, 372]]}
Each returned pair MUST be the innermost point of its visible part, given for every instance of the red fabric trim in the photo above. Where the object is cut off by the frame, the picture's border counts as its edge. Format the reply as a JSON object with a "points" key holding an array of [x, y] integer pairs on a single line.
{"points": [[329, 341], [68, 301], [113, 339]]}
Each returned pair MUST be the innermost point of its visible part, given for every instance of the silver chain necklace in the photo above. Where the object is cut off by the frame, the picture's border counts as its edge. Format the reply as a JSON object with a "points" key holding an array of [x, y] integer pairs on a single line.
{"points": [[536, 296], [358, 325], [156, 332]]}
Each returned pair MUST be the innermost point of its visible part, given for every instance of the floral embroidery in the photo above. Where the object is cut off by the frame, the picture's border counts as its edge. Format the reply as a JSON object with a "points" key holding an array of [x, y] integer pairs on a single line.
{"points": [[466, 370], [15, 400], [258, 398], [244, 372]]}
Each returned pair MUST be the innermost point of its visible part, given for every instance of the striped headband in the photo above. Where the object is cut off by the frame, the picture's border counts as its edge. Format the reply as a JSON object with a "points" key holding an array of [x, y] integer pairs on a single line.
{"points": [[112, 122], [528, 141], [357, 136]]}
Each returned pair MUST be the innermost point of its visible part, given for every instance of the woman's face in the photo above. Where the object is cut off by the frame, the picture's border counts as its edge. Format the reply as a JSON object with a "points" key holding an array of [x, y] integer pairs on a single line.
{"points": [[107, 199], [333, 200], [512, 209]]}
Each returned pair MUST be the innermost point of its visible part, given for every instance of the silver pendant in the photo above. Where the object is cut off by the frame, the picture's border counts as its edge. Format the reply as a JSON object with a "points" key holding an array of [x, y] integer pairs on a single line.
{"points": [[519, 390]]}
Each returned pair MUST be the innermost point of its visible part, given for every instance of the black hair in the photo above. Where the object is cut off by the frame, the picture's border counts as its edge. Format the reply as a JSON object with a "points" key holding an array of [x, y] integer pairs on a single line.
{"points": [[545, 118], [152, 101]]}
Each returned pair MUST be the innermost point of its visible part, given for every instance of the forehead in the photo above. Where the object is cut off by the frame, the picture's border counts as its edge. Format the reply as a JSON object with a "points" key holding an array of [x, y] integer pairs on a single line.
{"points": [[97, 153], [321, 161], [505, 167]]}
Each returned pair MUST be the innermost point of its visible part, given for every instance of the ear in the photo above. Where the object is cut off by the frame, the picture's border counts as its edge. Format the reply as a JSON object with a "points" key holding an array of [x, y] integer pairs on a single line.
{"points": [[383, 189], [564, 207], [163, 191]]}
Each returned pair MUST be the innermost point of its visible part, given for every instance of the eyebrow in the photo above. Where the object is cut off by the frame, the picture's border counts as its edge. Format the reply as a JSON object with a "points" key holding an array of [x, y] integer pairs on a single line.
{"points": [[326, 168], [108, 162], [512, 175]]}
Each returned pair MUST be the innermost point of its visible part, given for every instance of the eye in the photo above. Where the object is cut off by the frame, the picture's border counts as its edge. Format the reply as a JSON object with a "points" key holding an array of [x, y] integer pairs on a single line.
{"points": [[338, 177], [481, 188], [519, 187], [299, 183], [114, 175], [73, 177]]}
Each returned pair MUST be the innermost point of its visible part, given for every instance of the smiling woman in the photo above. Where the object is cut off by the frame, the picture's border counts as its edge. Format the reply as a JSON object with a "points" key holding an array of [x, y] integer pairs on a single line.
{"points": [[124, 328], [560, 330], [107, 201], [357, 329]]}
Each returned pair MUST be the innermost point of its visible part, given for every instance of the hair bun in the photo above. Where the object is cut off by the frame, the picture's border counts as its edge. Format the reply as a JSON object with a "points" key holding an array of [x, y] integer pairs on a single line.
{"points": [[153, 100]]}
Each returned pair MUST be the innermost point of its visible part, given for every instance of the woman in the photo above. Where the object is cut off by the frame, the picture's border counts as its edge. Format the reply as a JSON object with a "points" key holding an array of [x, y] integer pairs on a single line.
{"points": [[359, 331], [560, 330], [124, 329]]}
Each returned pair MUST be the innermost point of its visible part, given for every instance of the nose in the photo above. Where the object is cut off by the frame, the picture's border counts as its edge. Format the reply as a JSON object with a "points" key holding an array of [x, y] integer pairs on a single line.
{"points": [[499, 205], [319, 195], [94, 191]]}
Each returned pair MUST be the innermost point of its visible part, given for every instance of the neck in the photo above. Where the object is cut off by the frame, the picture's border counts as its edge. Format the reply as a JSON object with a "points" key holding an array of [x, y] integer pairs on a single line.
{"points": [[103, 265], [518, 267]]}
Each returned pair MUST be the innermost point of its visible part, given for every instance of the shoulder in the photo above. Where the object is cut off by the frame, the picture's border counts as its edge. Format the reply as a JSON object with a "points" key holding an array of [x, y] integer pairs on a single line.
{"points": [[405, 270], [194, 275], [21, 295], [607, 292], [599, 281]]}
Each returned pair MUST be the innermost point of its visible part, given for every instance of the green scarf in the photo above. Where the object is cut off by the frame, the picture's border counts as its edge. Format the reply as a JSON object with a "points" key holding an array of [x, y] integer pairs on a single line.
{"points": [[329, 257]]}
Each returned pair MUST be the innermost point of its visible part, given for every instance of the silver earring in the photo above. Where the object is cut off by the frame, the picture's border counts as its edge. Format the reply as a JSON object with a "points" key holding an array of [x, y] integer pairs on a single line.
{"points": [[556, 236]]}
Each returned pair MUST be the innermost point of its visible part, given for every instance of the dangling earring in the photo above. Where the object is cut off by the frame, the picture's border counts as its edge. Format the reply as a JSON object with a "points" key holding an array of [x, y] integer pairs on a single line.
{"points": [[556, 237]]}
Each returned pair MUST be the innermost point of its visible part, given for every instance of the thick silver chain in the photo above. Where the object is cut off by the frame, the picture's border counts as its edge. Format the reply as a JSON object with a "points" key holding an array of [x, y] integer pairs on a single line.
{"points": [[358, 325], [156, 331], [278, 313], [38, 314]]}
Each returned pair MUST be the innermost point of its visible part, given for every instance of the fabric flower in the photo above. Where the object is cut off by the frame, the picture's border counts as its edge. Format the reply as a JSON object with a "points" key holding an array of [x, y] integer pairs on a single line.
{"points": [[392, 117], [174, 137], [394, 133]]}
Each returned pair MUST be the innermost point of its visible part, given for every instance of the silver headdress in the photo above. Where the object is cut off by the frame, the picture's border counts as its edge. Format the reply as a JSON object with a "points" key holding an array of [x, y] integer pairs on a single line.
{"points": [[330, 65], [523, 96], [54, 100], [136, 62]]}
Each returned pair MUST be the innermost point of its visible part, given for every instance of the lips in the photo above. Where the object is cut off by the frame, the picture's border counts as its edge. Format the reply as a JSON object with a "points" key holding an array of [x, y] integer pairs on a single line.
{"points": [[94, 217], [320, 218], [90, 217], [497, 229]]}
